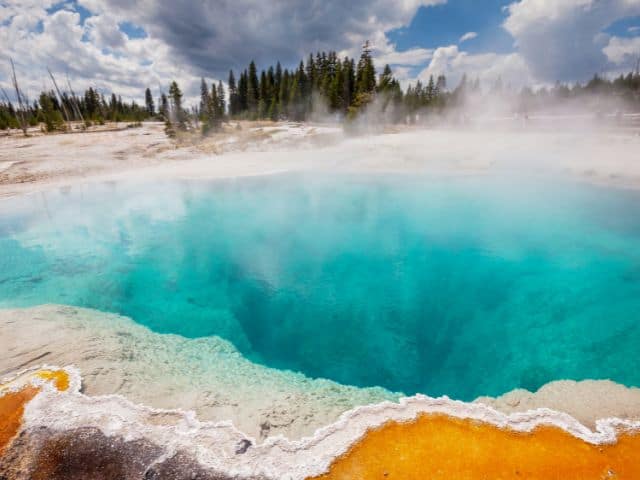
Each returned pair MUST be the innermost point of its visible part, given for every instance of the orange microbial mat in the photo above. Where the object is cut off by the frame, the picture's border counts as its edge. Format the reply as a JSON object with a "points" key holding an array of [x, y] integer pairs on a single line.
{"points": [[13, 401], [438, 447]]}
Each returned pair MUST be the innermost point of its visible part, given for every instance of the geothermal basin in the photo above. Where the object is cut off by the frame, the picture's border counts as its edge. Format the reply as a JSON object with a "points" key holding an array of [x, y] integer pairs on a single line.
{"points": [[280, 316]]}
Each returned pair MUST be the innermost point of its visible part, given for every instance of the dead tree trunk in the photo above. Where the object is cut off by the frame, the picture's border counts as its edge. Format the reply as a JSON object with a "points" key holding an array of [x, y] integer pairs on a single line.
{"points": [[75, 103], [21, 112], [64, 109]]}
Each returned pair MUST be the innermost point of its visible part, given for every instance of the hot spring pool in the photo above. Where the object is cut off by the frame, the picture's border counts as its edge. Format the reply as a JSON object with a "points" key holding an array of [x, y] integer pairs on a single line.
{"points": [[458, 286]]}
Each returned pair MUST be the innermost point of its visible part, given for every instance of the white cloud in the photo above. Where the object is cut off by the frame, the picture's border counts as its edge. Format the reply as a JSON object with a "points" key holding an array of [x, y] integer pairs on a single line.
{"points": [[215, 36], [564, 40], [104, 32], [468, 36], [94, 54], [186, 39], [488, 67], [623, 51], [411, 57], [554, 39]]}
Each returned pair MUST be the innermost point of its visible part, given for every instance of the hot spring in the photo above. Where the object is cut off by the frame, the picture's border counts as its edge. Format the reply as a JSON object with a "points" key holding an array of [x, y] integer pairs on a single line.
{"points": [[463, 286]]}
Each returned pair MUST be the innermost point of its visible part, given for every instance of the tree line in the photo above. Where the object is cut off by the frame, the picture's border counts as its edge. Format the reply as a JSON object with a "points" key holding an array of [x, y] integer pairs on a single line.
{"points": [[54, 111], [324, 83], [323, 86]]}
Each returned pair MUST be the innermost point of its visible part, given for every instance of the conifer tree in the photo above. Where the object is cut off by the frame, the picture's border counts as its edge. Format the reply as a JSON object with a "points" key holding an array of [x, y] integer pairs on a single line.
{"points": [[312, 74], [284, 93], [51, 116], [243, 104], [221, 99], [274, 110], [386, 80], [278, 80], [214, 115], [336, 90], [252, 89], [233, 95], [263, 94], [113, 108], [205, 101], [431, 89], [366, 73], [164, 107], [177, 113], [348, 68], [149, 106]]}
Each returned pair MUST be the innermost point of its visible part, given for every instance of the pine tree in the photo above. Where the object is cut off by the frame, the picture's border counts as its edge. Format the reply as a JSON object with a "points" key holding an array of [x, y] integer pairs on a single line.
{"points": [[113, 108], [149, 106], [233, 95], [51, 116], [431, 89], [278, 81], [222, 106], [274, 111], [252, 89], [336, 90], [284, 93], [348, 68], [263, 102], [366, 73], [177, 114], [386, 80], [295, 97], [164, 107], [312, 74], [205, 101], [214, 115], [243, 103]]}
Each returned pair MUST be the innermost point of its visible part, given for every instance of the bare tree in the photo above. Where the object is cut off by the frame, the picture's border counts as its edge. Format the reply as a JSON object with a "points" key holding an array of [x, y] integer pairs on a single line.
{"points": [[64, 109], [75, 103], [22, 111]]}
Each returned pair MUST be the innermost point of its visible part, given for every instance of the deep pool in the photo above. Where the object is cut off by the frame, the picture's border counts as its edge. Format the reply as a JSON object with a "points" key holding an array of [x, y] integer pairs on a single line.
{"points": [[461, 286]]}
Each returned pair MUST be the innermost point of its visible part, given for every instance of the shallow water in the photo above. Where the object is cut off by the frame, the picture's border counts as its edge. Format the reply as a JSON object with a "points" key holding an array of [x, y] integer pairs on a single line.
{"points": [[459, 286]]}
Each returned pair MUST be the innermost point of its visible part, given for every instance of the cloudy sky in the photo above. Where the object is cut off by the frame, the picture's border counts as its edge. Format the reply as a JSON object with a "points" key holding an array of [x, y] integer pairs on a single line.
{"points": [[127, 45]]}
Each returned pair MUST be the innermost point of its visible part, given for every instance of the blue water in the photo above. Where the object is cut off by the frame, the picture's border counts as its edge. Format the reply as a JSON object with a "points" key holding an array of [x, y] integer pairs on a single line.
{"points": [[458, 286]]}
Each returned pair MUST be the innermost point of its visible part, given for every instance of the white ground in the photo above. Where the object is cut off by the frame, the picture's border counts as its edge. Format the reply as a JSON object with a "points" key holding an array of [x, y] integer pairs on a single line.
{"points": [[28, 164]]}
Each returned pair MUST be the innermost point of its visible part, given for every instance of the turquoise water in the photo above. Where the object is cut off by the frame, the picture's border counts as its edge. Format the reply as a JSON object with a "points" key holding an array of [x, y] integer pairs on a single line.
{"points": [[458, 286]]}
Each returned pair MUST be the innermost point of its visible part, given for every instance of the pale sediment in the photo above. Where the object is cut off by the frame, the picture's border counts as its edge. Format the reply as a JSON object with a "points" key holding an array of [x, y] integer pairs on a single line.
{"points": [[207, 375], [587, 401], [49, 161], [210, 377]]}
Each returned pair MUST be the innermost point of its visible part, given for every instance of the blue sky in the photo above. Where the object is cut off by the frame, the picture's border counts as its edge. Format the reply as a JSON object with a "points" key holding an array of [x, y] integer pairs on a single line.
{"points": [[445, 24], [126, 46]]}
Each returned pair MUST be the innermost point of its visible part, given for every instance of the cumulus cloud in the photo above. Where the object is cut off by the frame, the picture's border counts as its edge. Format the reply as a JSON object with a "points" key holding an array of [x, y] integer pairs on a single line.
{"points": [[215, 36], [487, 67], [186, 39], [468, 36], [91, 53], [565, 40], [623, 51], [105, 32]]}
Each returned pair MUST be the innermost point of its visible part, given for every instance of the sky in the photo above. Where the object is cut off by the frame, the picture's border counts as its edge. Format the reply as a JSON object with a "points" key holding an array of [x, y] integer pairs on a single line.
{"points": [[128, 45]]}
